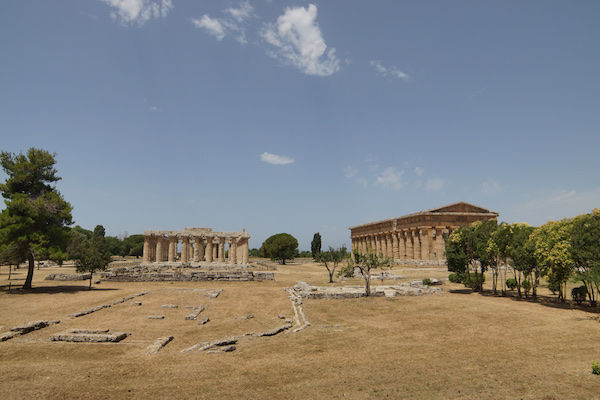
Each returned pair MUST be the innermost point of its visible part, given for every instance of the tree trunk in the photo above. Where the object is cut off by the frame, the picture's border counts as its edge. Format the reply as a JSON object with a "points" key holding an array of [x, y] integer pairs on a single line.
{"points": [[9, 271], [367, 277], [91, 276], [30, 269]]}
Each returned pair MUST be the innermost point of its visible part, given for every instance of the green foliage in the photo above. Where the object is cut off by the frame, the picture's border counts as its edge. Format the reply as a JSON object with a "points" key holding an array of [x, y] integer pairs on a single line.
{"points": [[253, 253], [347, 271], [90, 255], [331, 258], [554, 287], [315, 245], [366, 262], [455, 278], [511, 283], [595, 368], [305, 254], [579, 294], [526, 285], [281, 247], [585, 252], [33, 223], [472, 280], [427, 281]]}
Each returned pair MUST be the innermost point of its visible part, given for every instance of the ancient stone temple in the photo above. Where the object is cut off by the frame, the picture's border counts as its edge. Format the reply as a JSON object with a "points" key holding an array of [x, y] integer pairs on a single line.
{"points": [[419, 237], [198, 245]]}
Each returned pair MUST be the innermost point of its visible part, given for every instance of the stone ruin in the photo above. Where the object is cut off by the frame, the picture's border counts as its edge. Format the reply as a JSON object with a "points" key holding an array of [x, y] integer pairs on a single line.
{"points": [[414, 288], [205, 256]]}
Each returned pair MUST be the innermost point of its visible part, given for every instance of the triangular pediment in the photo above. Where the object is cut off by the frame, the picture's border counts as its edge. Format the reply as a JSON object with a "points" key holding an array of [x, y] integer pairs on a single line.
{"points": [[460, 207]]}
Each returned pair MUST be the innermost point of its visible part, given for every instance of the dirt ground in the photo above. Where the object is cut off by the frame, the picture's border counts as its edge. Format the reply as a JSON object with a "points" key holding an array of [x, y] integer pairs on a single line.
{"points": [[454, 345]]}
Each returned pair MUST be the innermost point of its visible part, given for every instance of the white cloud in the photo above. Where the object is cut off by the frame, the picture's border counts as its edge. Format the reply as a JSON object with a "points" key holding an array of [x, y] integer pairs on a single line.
{"points": [[275, 159], [435, 184], [299, 42], [140, 11], [390, 179], [492, 187], [235, 23], [389, 71], [352, 173], [213, 26], [419, 171]]}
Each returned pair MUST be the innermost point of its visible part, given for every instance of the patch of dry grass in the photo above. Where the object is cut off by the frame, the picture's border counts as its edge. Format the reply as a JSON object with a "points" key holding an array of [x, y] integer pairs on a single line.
{"points": [[453, 345]]}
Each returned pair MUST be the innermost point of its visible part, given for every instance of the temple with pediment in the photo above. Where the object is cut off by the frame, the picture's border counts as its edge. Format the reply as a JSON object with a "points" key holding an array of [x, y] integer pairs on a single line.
{"points": [[419, 237]]}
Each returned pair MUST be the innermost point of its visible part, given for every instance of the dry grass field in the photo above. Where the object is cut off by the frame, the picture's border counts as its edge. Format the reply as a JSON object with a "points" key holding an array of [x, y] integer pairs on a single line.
{"points": [[453, 345]]}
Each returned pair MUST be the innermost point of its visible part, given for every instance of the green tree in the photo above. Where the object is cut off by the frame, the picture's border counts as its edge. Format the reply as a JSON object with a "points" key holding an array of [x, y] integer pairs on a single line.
{"points": [[315, 245], [521, 251], [553, 253], [585, 252], [281, 247], [367, 262], [331, 259], [90, 255], [33, 224], [114, 245], [133, 246]]}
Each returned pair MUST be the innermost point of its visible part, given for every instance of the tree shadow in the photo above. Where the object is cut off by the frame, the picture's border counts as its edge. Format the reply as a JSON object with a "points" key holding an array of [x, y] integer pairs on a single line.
{"points": [[461, 291], [51, 289], [545, 300]]}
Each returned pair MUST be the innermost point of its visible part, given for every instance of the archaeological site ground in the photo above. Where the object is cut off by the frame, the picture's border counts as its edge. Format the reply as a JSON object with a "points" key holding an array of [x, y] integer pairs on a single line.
{"points": [[255, 339]]}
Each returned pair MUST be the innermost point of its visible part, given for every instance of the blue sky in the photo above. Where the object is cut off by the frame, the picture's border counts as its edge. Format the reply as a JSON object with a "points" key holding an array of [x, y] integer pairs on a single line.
{"points": [[304, 117]]}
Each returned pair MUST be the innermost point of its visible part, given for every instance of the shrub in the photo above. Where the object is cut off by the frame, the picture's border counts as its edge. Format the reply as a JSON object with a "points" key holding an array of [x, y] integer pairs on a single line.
{"points": [[347, 271], [427, 281], [578, 294], [454, 278], [553, 287], [511, 283], [526, 285], [595, 368]]}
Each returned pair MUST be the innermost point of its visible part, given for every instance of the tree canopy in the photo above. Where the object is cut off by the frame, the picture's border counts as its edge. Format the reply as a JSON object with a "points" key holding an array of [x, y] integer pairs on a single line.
{"points": [[89, 253], [331, 259], [315, 245], [281, 247], [33, 224]]}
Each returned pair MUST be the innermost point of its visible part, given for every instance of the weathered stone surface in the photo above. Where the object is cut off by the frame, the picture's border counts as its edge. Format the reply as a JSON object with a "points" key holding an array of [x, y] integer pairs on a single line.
{"points": [[81, 336], [26, 328], [158, 345], [156, 317], [154, 273], [170, 306], [112, 303], [136, 303], [68, 277], [194, 314], [275, 331], [204, 321], [414, 288]]}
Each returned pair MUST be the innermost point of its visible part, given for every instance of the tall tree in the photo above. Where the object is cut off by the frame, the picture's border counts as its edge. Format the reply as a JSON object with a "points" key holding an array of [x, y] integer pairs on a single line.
{"points": [[90, 255], [281, 247], [331, 259], [315, 245], [585, 250], [33, 224]]}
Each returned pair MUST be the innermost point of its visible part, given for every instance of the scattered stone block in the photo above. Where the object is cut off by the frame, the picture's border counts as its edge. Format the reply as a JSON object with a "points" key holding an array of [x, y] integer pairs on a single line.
{"points": [[83, 335], [156, 317], [136, 303], [158, 345], [204, 321], [275, 331], [68, 277], [194, 314], [170, 306]]}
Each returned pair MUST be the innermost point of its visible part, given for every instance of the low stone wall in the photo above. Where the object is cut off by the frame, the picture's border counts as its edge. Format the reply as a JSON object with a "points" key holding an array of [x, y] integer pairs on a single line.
{"points": [[68, 277], [414, 288], [154, 273]]}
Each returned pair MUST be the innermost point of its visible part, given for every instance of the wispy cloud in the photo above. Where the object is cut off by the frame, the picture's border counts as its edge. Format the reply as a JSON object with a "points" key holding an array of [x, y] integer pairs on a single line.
{"points": [[275, 159], [299, 42], [492, 187], [435, 185], [138, 11], [389, 71], [419, 171], [352, 173], [390, 178], [234, 23]]}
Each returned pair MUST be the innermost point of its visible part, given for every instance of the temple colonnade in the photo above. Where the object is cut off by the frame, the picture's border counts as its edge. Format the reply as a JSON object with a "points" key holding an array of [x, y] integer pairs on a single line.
{"points": [[197, 245]]}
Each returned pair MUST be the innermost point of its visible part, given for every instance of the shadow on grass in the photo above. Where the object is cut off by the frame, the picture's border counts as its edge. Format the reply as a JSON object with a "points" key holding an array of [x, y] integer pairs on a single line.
{"points": [[546, 301], [51, 289]]}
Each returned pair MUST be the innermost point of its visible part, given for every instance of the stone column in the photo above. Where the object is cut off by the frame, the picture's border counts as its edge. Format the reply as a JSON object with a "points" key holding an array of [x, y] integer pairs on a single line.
{"points": [[208, 253], [440, 244], [197, 248], [401, 245], [233, 250], [215, 251], [417, 244], [185, 248], [172, 249], [159, 249], [425, 244], [410, 255], [245, 251], [221, 249], [146, 252], [395, 246]]}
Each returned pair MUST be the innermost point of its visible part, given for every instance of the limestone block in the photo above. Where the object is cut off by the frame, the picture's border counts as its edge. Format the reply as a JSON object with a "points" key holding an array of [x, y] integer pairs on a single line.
{"points": [[156, 317], [204, 321], [158, 345], [275, 331]]}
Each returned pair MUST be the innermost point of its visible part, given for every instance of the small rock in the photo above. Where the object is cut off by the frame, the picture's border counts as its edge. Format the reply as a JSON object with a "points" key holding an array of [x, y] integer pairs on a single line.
{"points": [[156, 317]]}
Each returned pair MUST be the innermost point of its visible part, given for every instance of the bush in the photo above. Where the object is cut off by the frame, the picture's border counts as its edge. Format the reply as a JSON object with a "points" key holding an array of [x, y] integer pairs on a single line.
{"points": [[526, 285], [427, 282], [511, 283], [347, 271], [595, 368], [578, 294], [454, 278], [554, 287]]}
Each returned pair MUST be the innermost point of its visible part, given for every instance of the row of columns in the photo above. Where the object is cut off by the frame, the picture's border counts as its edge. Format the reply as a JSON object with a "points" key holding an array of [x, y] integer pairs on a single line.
{"points": [[422, 243], [160, 248]]}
